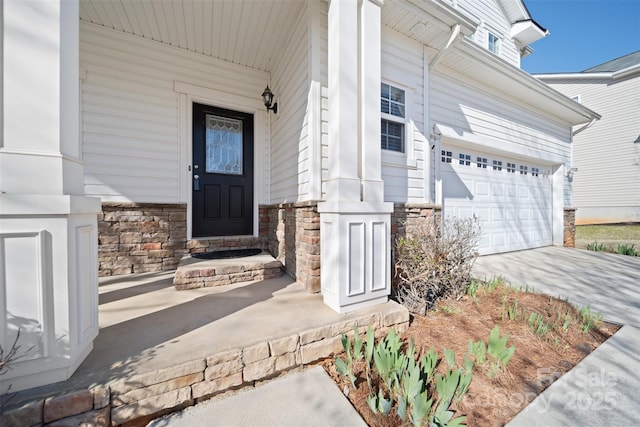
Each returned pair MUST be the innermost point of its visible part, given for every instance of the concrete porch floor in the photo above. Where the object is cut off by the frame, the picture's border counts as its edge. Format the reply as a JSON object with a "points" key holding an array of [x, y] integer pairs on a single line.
{"points": [[146, 327]]}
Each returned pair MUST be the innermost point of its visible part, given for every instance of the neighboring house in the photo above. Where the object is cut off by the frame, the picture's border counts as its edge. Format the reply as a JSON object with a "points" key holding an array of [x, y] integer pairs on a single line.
{"points": [[135, 132], [606, 184]]}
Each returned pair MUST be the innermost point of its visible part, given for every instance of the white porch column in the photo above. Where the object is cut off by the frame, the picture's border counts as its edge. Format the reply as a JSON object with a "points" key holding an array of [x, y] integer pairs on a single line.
{"points": [[369, 76], [48, 229], [354, 220]]}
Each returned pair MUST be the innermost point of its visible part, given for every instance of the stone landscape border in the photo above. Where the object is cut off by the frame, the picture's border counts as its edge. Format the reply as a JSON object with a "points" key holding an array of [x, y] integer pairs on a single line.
{"points": [[137, 399]]}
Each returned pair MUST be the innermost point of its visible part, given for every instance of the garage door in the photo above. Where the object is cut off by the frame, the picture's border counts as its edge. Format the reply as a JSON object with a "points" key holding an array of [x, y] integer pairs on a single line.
{"points": [[511, 198]]}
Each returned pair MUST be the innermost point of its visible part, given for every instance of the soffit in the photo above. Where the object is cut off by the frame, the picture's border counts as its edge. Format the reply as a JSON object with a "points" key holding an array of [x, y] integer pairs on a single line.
{"points": [[427, 21], [245, 32]]}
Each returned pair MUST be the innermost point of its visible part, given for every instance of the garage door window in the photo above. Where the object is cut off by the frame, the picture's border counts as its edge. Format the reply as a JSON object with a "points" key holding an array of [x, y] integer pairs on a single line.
{"points": [[482, 162], [393, 112], [497, 165], [446, 156], [524, 170], [465, 159], [511, 167]]}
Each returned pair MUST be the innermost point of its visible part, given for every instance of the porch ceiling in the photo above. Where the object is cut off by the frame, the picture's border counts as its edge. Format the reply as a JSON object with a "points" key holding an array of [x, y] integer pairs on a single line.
{"points": [[245, 32]]}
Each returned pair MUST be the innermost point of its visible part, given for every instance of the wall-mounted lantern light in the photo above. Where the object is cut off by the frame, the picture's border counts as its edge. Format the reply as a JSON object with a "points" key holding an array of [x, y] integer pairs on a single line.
{"points": [[267, 97]]}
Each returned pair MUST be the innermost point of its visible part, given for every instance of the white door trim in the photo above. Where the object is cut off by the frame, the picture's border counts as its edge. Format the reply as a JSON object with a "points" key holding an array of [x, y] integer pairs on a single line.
{"points": [[188, 94]]}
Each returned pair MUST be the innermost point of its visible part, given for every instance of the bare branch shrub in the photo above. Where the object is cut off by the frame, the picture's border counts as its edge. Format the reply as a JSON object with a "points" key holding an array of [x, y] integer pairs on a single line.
{"points": [[9, 356], [435, 262]]}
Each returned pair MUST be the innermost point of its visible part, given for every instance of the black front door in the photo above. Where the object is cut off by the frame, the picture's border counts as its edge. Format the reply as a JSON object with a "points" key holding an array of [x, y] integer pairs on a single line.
{"points": [[222, 172]]}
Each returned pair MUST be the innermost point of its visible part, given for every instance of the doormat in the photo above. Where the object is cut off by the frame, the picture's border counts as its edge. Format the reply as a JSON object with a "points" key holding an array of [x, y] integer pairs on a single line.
{"points": [[232, 253]]}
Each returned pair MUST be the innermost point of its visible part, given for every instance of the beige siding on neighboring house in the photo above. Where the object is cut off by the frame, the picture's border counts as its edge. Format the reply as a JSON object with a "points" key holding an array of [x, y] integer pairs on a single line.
{"points": [[607, 154], [130, 112]]}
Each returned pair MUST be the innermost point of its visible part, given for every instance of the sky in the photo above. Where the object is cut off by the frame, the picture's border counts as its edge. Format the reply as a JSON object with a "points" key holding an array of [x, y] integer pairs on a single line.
{"points": [[583, 33]]}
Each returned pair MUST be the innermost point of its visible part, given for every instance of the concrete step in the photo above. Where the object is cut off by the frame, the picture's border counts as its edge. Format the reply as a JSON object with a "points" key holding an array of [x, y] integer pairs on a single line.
{"points": [[200, 273]]}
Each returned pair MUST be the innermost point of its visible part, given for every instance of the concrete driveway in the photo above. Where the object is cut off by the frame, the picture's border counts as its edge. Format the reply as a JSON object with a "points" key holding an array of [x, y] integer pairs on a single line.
{"points": [[606, 282]]}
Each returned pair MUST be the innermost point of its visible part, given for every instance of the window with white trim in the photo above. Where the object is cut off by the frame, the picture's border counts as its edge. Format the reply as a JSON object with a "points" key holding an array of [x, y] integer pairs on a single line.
{"points": [[481, 162], [535, 171], [464, 159], [524, 169], [393, 113], [493, 43], [511, 167], [497, 165]]}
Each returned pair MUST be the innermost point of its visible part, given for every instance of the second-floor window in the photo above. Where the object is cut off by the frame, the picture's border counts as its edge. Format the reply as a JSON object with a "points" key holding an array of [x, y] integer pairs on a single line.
{"points": [[393, 109], [493, 43]]}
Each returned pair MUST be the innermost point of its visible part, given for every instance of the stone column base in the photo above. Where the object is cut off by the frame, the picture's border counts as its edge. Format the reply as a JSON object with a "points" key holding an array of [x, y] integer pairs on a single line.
{"points": [[569, 235]]}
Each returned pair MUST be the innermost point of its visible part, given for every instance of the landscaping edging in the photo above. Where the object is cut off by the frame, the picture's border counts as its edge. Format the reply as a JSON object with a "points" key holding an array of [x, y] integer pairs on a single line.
{"points": [[141, 397]]}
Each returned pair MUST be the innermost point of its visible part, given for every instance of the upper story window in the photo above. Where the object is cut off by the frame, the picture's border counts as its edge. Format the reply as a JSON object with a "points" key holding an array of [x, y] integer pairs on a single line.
{"points": [[393, 109], [493, 43]]}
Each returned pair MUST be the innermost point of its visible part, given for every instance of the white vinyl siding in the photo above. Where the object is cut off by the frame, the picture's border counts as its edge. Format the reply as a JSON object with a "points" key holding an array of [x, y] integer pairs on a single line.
{"points": [[403, 173], [494, 21], [290, 149], [512, 128], [402, 67], [462, 106], [130, 118], [606, 186]]}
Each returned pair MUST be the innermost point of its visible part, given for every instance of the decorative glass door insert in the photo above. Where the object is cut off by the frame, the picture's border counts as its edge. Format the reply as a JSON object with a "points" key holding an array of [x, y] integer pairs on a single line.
{"points": [[223, 145]]}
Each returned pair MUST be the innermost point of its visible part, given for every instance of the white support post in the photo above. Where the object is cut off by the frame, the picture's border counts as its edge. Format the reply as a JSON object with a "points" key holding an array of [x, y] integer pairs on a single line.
{"points": [[369, 76], [48, 228], [355, 222], [343, 182]]}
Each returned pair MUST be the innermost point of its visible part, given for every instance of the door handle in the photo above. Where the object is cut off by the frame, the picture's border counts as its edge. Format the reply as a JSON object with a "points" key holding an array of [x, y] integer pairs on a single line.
{"points": [[196, 182]]}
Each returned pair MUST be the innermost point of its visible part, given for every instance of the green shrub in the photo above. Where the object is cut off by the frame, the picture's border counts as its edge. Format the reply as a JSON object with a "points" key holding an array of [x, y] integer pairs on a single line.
{"points": [[625, 249], [588, 320], [494, 354], [597, 247]]}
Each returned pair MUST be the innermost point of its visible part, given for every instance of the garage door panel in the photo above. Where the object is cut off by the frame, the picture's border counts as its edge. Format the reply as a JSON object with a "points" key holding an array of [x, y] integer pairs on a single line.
{"points": [[482, 188], [497, 189], [514, 209]]}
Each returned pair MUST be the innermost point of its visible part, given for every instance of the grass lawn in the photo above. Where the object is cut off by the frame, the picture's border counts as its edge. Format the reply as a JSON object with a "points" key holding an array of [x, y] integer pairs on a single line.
{"points": [[610, 235]]}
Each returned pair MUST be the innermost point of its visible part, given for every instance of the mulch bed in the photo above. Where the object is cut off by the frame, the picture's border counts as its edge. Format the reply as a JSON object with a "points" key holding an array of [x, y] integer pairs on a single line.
{"points": [[536, 363]]}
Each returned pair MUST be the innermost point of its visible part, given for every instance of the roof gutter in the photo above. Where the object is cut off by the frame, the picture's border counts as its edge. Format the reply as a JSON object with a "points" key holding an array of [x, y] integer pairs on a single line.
{"points": [[524, 78], [608, 75], [626, 72]]}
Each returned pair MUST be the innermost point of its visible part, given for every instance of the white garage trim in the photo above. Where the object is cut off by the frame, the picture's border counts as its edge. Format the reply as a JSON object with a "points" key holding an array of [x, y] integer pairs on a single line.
{"points": [[492, 145]]}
